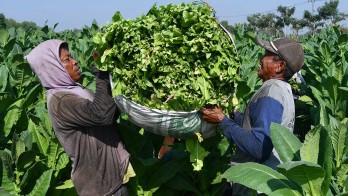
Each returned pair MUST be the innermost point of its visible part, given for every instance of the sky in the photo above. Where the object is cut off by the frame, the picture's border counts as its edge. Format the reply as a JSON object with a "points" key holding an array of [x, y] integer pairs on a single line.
{"points": [[70, 14]]}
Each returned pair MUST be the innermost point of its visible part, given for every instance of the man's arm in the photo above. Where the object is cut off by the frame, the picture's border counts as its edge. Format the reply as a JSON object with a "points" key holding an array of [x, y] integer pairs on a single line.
{"points": [[256, 142]]}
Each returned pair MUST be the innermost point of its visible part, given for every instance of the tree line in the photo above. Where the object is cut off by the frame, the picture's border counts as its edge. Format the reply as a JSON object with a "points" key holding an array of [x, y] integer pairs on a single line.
{"points": [[6, 23], [270, 24], [275, 25]]}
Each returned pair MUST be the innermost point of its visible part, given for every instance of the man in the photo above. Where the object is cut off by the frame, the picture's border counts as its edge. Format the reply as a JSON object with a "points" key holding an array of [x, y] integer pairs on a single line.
{"points": [[83, 121], [273, 102]]}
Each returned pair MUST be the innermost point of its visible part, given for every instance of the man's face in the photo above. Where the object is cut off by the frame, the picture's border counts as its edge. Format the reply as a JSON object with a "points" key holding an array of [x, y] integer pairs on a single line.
{"points": [[268, 66], [70, 64]]}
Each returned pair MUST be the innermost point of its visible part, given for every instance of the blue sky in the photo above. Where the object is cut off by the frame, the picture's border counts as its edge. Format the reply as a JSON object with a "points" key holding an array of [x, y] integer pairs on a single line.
{"points": [[72, 14]]}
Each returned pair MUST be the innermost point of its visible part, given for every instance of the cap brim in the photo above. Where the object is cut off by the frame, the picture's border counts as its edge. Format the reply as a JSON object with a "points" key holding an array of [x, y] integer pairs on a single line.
{"points": [[266, 45]]}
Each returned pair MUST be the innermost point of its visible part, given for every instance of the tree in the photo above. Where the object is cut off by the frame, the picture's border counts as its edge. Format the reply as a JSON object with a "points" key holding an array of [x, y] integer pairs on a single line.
{"points": [[228, 27], [2, 21], [285, 17], [11, 23], [264, 23], [312, 21], [28, 25], [297, 25], [329, 11]]}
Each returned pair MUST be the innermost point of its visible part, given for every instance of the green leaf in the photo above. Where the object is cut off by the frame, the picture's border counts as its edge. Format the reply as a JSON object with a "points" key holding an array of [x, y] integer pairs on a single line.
{"points": [[325, 158], [285, 142], [26, 159], [261, 178], [62, 160], [31, 174], [53, 148], [306, 99], [12, 116], [32, 95], [66, 185], [307, 174], [204, 86], [41, 141], [3, 79], [325, 51], [310, 149], [19, 149], [197, 153], [181, 183], [165, 172], [42, 184], [7, 182], [340, 141], [27, 138], [342, 174]]}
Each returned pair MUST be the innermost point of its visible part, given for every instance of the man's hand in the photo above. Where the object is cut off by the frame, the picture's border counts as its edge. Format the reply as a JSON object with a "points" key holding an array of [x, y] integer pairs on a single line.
{"points": [[212, 114]]}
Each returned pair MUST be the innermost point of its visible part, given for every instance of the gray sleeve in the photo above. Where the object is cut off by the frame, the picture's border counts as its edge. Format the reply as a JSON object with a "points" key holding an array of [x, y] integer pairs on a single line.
{"points": [[75, 111]]}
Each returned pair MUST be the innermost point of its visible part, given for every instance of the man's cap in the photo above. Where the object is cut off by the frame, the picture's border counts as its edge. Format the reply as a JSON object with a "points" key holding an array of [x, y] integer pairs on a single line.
{"points": [[289, 51]]}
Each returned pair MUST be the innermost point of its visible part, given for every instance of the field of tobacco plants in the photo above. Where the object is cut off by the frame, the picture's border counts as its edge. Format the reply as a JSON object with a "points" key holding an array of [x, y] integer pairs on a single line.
{"points": [[191, 60]]}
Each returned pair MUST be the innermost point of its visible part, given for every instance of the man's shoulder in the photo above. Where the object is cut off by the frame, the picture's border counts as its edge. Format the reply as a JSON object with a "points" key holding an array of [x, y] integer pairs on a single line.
{"points": [[274, 83]]}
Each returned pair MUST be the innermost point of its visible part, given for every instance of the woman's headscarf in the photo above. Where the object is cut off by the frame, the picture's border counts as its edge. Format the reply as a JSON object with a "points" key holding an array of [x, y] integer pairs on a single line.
{"points": [[45, 61]]}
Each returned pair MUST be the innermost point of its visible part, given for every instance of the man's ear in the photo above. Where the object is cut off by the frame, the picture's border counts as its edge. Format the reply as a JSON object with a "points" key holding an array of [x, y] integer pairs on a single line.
{"points": [[281, 67]]}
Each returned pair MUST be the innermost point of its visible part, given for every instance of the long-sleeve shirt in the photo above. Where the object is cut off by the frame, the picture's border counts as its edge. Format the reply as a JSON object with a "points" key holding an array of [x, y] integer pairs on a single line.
{"points": [[273, 102], [87, 131]]}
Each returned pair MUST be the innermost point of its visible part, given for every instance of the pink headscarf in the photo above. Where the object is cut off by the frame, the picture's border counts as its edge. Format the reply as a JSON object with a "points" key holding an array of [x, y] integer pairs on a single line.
{"points": [[44, 60]]}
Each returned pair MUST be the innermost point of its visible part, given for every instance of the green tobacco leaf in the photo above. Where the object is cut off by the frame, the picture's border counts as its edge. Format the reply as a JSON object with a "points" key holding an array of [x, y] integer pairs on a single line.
{"points": [[31, 174], [307, 174], [324, 120], [325, 158], [7, 182], [322, 113], [45, 127], [25, 160], [27, 138], [66, 185], [62, 160], [285, 142], [340, 141], [12, 116], [310, 149], [42, 184], [197, 153], [170, 51], [3, 79], [181, 182], [41, 141], [53, 148], [204, 86], [325, 51], [331, 85], [342, 174], [306, 99], [165, 172], [261, 178], [19, 149], [32, 95]]}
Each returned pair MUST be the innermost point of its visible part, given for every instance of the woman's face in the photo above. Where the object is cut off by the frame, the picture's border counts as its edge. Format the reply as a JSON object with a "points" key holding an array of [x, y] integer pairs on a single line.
{"points": [[70, 64]]}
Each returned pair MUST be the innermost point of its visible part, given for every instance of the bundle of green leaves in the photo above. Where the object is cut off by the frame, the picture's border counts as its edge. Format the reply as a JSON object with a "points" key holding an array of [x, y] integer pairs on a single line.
{"points": [[176, 57]]}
